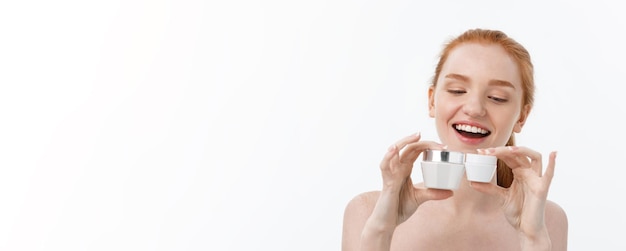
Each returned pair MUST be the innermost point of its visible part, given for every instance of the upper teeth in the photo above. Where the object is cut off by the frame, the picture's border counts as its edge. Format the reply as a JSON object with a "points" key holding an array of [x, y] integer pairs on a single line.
{"points": [[472, 129]]}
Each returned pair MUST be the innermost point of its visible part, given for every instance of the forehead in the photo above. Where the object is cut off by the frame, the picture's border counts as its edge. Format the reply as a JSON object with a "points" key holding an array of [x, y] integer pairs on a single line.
{"points": [[483, 63]]}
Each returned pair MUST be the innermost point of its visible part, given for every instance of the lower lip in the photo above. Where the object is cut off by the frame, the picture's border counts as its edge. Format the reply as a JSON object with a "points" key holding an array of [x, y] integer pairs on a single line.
{"points": [[470, 141]]}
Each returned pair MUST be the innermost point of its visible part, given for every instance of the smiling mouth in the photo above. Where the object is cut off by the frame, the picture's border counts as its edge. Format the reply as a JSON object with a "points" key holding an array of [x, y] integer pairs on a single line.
{"points": [[471, 131]]}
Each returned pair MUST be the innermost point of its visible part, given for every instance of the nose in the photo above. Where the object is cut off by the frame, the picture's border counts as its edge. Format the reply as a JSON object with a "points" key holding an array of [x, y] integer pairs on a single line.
{"points": [[474, 107]]}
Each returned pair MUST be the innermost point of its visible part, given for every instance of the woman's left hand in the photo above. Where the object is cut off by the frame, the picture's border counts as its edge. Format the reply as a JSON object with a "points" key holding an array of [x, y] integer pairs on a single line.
{"points": [[525, 200]]}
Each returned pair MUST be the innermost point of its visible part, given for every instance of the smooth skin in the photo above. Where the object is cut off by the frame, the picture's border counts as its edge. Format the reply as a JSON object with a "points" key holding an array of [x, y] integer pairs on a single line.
{"points": [[479, 85]]}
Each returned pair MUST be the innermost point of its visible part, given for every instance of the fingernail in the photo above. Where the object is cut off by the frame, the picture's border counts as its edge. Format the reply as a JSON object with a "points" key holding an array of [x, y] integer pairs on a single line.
{"points": [[480, 150], [512, 148], [444, 147], [392, 148], [490, 150]]}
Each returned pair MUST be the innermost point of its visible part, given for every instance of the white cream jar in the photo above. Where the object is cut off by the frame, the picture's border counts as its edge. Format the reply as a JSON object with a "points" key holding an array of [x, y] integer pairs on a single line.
{"points": [[442, 169]]}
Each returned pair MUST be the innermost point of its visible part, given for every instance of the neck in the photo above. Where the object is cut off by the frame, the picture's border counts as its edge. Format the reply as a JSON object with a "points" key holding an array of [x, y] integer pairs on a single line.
{"points": [[468, 200]]}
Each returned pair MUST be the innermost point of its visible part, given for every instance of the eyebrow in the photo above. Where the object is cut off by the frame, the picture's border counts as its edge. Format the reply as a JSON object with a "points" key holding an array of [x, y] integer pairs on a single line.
{"points": [[497, 82]]}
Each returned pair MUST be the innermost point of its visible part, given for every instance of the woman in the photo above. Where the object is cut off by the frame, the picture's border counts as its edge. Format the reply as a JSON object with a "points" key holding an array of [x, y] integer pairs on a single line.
{"points": [[483, 81]]}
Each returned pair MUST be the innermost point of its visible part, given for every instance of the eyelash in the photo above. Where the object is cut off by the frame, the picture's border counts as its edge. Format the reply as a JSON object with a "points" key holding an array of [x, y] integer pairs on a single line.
{"points": [[457, 92], [499, 100], [496, 99]]}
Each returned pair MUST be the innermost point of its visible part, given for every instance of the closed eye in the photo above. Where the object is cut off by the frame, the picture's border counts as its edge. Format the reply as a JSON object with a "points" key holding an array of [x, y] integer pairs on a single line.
{"points": [[499, 100], [452, 91]]}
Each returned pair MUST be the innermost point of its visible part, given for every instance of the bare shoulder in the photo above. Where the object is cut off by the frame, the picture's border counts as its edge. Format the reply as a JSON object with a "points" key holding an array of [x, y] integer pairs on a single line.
{"points": [[557, 223], [362, 203], [555, 214], [356, 213]]}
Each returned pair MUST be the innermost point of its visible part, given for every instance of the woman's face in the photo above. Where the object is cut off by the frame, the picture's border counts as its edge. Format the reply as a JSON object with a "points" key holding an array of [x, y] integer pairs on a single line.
{"points": [[477, 101]]}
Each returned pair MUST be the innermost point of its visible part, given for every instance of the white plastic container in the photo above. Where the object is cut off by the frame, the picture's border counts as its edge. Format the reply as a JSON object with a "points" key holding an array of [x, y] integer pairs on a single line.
{"points": [[480, 168], [442, 169]]}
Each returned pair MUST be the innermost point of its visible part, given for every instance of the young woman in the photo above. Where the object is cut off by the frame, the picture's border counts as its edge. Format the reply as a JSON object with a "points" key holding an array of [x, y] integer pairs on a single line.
{"points": [[481, 94]]}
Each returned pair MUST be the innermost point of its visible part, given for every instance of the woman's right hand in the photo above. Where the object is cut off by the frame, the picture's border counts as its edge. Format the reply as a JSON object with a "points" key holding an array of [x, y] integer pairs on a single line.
{"points": [[399, 198], [396, 168]]}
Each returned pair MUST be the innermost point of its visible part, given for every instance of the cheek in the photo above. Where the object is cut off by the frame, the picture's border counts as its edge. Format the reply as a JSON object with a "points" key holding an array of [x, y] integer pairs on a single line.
{"points": [[506, 122], [445, 108], [443, 113]]}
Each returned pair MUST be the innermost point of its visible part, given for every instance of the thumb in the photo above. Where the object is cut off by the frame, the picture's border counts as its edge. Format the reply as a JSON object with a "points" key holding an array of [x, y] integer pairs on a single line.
{"points": [[433, 194], [488, 188]]}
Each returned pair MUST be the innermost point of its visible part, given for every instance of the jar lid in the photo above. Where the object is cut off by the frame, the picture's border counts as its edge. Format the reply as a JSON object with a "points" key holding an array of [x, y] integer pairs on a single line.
{"points": [[444, 156], [480, 159]]}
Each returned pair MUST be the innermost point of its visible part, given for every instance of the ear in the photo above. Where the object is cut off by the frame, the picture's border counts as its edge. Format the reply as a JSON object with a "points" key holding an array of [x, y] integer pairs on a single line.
{"points": [[522, 118], [431, 101]]}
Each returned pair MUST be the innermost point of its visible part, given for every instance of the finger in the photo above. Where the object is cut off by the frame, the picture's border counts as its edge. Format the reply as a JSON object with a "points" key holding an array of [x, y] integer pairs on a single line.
{"points": [[550, 168], [504, 154], [392, 151], [534, 157], [413, 150], [395, 160], [508, 155], [432, 194], [489, 188], [408, 140], [392, 154]]}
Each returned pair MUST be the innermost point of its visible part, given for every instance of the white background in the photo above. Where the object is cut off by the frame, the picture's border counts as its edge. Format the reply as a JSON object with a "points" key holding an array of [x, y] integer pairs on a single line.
{"points": [[248, 125]]}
